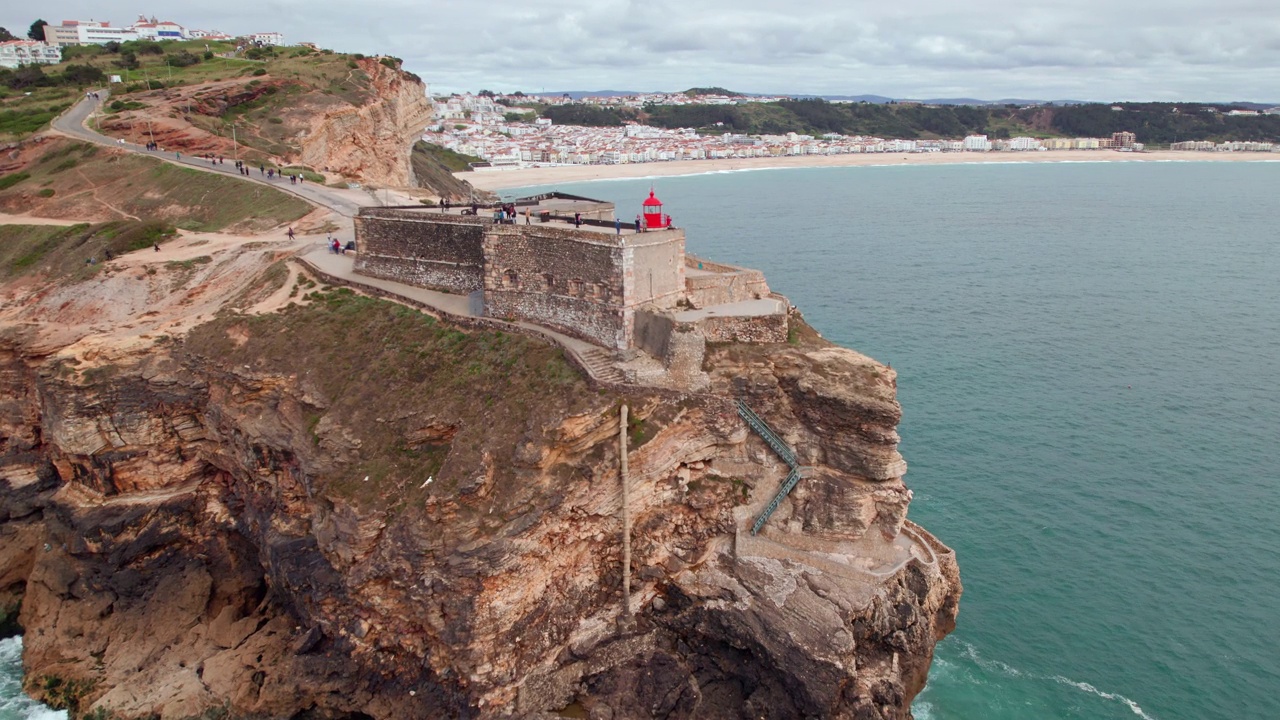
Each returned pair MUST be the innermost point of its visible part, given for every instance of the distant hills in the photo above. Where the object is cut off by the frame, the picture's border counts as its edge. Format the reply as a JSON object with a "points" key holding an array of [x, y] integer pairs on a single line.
{"points": [[878, 99]]}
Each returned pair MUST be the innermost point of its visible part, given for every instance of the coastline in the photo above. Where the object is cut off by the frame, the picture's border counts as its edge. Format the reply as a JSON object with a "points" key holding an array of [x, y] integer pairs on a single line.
{"points": [[524, 177]]}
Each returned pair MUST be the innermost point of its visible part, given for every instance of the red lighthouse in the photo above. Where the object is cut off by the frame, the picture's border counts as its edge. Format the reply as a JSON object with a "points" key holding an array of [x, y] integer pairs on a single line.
{"points": [[653, 217]]}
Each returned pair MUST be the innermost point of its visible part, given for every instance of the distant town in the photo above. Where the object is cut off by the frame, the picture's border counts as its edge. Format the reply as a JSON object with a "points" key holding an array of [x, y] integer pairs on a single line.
{"points": [[500, 131], [46, 49], [516, 129]]}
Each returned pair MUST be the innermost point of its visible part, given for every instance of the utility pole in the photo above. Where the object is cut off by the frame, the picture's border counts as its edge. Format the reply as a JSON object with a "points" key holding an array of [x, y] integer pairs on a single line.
{"points": [[234, 145], [626, 517]]}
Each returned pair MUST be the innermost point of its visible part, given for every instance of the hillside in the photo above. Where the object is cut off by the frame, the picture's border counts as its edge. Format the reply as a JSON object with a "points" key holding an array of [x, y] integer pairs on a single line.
{"points": [[1153, 123], [434, 166], [58, 178], [349, 117]]}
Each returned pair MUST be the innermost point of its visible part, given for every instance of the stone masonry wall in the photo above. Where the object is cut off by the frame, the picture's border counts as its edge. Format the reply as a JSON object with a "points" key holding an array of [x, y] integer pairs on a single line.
{"points": [[416, 251], [726, 284], [559, 278], [723, 288], [653, 332], [746, 329], [657, 269], [578, 317]]}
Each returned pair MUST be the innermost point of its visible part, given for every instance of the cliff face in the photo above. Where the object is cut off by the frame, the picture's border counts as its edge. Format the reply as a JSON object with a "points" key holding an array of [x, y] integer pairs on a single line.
{"points": [[372, 141], [348, 511]]}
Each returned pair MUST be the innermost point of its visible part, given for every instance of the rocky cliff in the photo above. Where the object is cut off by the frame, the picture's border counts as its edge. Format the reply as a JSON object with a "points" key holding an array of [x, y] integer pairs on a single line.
{"points": [[347, 509], [372, 141], [359, 118]]}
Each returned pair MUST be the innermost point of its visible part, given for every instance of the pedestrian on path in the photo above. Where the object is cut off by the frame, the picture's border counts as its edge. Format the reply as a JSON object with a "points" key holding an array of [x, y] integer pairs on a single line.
{"points": [[617, 225], [290, 233]]}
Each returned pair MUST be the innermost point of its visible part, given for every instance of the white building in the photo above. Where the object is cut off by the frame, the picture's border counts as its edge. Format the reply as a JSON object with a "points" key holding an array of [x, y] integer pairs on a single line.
{"points": [[1024, 143], [94, 33], [153, 30], [267, 38], [16, 53], [977, 143]]}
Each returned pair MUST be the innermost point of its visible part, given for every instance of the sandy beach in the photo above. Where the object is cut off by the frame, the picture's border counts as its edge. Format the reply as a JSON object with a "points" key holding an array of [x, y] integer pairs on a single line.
{"points": [[523, 177]]}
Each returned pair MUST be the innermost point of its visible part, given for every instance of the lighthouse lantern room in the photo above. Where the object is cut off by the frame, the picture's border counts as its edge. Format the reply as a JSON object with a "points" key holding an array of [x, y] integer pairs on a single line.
{"points": [[653, 217]]}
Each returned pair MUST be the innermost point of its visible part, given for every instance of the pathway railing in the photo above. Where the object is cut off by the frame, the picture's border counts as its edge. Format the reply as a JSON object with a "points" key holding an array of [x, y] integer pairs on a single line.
{"points": [[786, 453]]}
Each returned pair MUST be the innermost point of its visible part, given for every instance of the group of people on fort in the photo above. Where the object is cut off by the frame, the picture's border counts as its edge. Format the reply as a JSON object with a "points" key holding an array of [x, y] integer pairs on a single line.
{"points": [[337, 248]]}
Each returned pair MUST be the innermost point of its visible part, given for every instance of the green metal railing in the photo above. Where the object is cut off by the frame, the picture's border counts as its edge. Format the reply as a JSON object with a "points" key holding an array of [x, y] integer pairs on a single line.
{"points": [[755, 422]]}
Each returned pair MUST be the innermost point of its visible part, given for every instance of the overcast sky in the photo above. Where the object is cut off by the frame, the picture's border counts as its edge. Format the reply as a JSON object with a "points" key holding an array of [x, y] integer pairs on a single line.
{"points": [[1066, 49]]}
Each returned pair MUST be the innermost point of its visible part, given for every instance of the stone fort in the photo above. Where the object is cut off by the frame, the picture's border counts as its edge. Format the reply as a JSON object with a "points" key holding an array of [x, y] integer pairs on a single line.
{"points": [[568, 263]]}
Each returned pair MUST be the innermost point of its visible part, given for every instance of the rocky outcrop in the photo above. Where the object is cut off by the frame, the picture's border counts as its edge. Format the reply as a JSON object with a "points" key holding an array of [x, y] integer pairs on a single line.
{"points": [[425, 524], [372, 141]]}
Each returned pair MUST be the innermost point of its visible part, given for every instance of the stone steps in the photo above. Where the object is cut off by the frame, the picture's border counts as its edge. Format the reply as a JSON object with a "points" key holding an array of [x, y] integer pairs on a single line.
{"points": [[601, 366]]}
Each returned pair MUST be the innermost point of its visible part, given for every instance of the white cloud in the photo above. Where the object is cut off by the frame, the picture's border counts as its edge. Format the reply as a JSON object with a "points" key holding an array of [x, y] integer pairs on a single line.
{"points": [[1088, 49]]}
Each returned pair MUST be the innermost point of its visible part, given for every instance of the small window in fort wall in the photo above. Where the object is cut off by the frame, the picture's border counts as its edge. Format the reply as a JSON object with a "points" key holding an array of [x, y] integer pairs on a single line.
{"points": [[549, 281], [598, 291], [575, 288], [510, 279]]}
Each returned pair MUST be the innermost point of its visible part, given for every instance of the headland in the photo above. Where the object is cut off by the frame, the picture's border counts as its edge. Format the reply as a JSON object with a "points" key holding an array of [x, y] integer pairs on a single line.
{"points": [[495, 464]]}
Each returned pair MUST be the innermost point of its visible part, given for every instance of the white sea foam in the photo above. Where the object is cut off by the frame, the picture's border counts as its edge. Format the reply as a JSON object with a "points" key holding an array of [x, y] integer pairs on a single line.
{"points": [[1137, 709], [971, 653], [14, 704]]}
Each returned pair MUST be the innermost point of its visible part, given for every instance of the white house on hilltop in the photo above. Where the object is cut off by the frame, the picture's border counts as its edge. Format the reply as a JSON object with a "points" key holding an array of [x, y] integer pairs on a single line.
{"points": [[16, 53], [267, 38]]}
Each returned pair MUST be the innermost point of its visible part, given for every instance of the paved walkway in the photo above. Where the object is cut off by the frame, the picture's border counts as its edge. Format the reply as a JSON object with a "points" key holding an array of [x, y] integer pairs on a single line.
{"points": [[344, 201], [742, 308], [596, 360]]}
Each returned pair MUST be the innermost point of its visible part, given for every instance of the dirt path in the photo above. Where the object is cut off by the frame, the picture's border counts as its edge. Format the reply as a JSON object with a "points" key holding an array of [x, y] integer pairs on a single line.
{"points": [[7, 219], [94, 193]]}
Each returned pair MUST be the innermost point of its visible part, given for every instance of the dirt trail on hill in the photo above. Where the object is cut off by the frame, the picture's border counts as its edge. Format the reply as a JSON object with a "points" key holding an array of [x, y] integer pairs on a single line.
{"points": [[138, 297]]}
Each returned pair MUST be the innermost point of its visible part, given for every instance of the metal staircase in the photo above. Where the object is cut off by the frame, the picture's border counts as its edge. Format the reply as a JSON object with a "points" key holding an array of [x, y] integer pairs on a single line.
{"points": [[770, 437], [788, 456]]}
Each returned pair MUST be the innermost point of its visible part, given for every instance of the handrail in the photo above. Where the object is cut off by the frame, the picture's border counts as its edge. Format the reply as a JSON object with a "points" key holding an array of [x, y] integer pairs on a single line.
{"points": [[770, 437], [786, 453]]}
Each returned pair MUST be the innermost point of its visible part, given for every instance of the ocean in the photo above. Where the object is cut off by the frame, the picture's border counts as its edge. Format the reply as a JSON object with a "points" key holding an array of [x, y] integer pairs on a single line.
{"points": [[1089, 368], [1088, 361], [14, 705]]}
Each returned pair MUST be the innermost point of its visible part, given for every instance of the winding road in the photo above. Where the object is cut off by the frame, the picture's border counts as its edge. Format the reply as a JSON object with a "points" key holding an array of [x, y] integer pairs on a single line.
{"points": [[345, 202]]}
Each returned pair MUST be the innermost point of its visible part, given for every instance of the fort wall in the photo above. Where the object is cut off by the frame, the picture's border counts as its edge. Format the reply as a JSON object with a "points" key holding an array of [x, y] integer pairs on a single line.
{"points": [[618, 290], [709, 283], [656, 268], [419, 251], [554, 277], [745, 328]]}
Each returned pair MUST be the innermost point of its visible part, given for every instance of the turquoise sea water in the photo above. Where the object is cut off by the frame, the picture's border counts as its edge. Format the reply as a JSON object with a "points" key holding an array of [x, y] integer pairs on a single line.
{"points": [[1089, 366], [13, 704]]}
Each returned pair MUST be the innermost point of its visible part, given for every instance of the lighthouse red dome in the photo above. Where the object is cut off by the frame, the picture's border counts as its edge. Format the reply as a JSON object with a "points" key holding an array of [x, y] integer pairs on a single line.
{"points": [[653, 217]]}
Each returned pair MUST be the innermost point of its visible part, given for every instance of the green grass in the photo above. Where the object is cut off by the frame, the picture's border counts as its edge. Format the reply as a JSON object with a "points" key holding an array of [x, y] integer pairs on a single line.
{"points": [[149, 188], [454, 161], [371, 361], [308, 173], [62, 251], [22, 120], [64, 693], [12, 179]]}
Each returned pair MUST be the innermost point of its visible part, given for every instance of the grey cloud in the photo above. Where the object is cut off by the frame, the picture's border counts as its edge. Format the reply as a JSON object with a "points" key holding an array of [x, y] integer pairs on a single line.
{"points": [[1171, 49]]}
